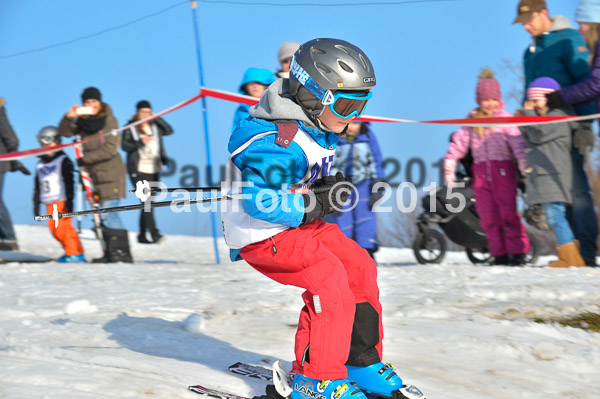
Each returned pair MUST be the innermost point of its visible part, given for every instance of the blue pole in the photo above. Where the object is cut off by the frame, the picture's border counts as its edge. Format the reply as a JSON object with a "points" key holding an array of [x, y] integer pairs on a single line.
{"points": [[205, 118]]}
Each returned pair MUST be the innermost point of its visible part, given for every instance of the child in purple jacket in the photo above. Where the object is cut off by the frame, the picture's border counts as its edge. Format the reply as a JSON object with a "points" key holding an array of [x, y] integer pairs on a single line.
{"points": [[495, 173]]}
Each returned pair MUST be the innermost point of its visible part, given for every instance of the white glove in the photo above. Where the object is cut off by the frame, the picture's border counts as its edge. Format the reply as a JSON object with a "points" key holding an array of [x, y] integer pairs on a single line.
{"points": [[583, 139]]}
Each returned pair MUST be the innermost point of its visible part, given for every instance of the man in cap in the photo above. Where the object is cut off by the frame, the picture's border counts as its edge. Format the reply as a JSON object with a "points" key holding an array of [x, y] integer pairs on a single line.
{"points": [[558, 51]]}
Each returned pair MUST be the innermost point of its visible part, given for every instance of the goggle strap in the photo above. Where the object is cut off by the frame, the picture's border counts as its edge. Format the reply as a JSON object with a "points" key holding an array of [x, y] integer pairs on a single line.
{"points": [[326, 96]]}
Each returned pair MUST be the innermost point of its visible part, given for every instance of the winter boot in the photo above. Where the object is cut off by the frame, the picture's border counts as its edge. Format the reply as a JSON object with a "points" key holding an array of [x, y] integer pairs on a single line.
{"points": [[9, 245], [516, 260], [306, 387], [117, 247], [501, 260], [568, 255], [588, 262], [378, 378], [143, 240]]}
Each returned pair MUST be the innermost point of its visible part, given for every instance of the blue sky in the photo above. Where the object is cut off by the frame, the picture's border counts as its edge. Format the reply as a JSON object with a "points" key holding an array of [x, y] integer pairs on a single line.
{"points": [[426, 55]]}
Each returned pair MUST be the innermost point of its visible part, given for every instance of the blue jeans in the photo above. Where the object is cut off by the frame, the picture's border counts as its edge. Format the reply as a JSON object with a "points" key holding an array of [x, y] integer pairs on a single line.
{"points": [[557, 219], [112, 220], [6, 227], [581, 215]]}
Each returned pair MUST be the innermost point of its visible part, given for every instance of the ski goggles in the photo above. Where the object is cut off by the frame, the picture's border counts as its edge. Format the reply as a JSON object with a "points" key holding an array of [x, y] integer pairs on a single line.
{"points": [[347, 104], [47, 139]]}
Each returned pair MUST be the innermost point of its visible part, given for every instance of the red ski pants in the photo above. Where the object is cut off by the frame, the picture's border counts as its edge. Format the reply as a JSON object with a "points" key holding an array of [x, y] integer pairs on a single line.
{"points": [[341, 320], [65, 233]]}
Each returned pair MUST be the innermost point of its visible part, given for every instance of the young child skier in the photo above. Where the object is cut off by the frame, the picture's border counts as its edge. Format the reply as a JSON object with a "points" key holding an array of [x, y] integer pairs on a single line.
{"points": [[54, 186], [289, 143], [549, 169]]}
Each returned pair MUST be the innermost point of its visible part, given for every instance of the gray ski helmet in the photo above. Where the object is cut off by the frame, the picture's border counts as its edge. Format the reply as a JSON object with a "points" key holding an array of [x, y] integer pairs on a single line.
{"points": [[48, 134], [321, 65]]}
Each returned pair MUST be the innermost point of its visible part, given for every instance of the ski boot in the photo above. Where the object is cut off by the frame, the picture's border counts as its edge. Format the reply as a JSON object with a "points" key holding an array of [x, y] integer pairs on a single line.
{"points": [[306, 387], [71, 259], [379, 379]]}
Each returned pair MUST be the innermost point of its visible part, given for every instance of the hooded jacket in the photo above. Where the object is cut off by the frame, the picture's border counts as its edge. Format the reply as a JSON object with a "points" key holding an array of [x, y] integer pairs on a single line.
{"points": [[264, 164], [284, 165], [561, 54], [262, 76], [101, 157]]}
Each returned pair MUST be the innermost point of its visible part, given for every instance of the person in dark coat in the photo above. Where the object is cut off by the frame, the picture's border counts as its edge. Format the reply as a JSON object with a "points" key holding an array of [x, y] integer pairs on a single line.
{"points": [[359, 157], [8, 143], [145, 156], [101, 159]]}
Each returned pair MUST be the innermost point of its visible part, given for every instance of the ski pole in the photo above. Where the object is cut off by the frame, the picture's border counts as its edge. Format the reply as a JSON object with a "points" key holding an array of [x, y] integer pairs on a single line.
{"points": [[56, 216], [143, 191], [155, 190]]}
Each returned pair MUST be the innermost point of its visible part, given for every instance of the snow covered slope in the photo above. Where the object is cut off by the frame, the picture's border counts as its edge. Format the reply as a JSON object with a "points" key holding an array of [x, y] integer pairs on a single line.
{"points": [[457, 331]]}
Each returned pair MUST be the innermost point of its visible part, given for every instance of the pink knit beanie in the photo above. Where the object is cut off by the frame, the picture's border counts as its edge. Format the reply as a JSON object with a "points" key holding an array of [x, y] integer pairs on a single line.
{"points": [[487, 87]]}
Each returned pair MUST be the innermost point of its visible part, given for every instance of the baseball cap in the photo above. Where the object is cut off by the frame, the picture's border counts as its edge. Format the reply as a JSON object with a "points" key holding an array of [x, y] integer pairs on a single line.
{"points": [[526, 8]]}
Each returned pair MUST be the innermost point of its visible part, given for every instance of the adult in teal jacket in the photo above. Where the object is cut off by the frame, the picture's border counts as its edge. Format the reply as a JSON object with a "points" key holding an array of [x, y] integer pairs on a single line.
{"points": [[558, 51]]}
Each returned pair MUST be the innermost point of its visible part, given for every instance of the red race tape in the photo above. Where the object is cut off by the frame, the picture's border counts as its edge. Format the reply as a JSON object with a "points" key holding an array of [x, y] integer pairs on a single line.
{"points": [[248, 100], [39, 151]]}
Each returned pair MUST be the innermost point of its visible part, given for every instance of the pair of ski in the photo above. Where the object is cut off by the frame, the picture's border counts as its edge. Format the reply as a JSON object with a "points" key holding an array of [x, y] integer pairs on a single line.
{"points": [[282, 382]]}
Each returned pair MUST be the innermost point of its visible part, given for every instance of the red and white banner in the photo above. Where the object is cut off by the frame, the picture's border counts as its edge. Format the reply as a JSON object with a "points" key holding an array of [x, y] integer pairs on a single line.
{"points": [[484, 122], [44, 150], [248, 100]]}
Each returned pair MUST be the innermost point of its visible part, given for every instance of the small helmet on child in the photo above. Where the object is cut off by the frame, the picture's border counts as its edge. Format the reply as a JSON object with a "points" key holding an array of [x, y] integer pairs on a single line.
{"points": [[334, 73], [48, 134]]}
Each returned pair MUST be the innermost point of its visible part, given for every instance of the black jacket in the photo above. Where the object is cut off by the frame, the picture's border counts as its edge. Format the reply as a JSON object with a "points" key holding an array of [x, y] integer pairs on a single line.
{"points": [[8, 139], [131, 146]]}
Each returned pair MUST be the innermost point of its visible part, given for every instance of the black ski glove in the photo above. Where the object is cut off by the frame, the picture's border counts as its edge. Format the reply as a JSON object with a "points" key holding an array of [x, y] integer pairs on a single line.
{"points": [[377, 194], [36, 209], [554, 100], [326, 196]]}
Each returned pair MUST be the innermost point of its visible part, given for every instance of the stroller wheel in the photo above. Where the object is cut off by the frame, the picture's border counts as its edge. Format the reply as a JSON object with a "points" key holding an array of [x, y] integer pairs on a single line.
{"points": [[430, 247], [479, 255], [532, 255]]}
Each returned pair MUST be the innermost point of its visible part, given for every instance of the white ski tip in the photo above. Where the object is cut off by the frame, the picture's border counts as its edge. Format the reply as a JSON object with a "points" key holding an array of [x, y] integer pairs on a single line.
{"points": [[55, 216], [281, 379], [411, 392], [142, 190]]}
